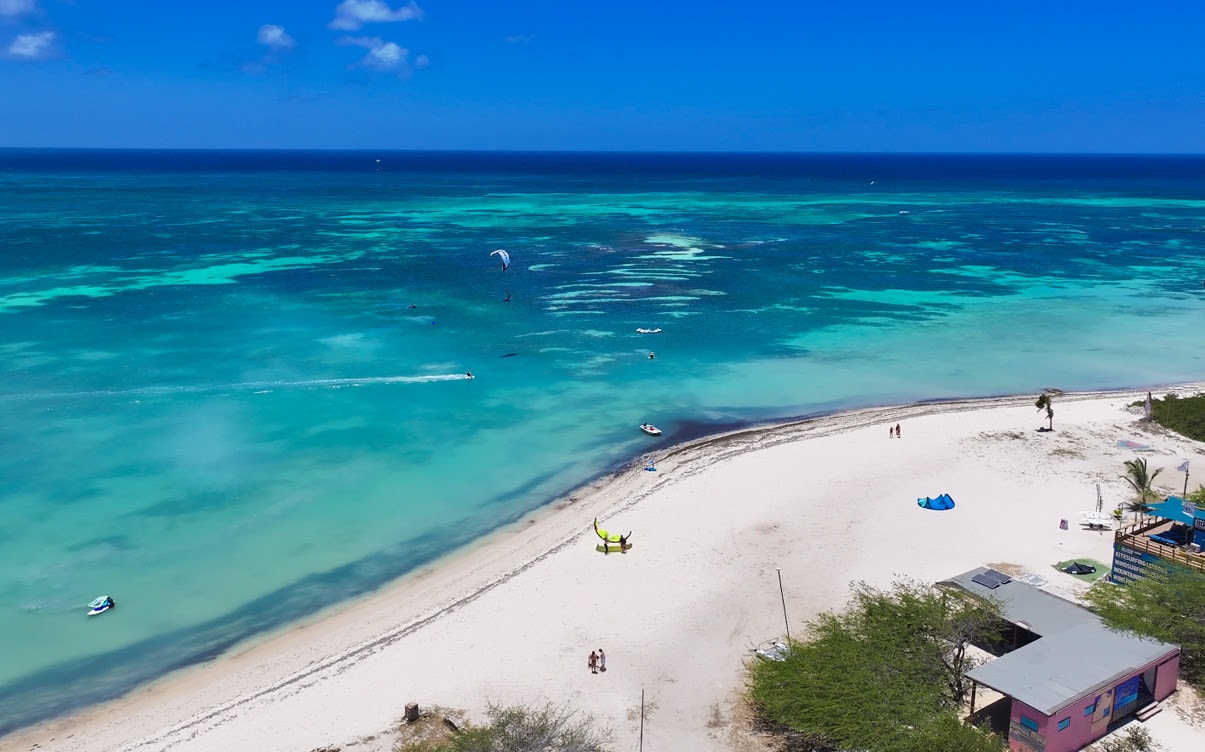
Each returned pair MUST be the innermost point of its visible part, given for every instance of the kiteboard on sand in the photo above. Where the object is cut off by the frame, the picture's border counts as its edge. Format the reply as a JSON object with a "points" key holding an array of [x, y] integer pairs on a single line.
{"points": [[612, 548]]}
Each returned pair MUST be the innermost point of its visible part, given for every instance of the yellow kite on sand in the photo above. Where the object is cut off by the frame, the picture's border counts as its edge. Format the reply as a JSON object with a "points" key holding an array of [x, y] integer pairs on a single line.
{"points": [[608, 538]]}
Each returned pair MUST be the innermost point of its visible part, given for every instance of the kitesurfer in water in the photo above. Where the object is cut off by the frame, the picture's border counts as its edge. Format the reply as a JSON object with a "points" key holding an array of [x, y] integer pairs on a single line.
{"points": [[468, 374]]}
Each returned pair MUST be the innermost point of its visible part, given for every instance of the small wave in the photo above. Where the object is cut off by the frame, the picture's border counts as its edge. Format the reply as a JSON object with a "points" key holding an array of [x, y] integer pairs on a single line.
{"points": [[542, 334], [673, 239]]}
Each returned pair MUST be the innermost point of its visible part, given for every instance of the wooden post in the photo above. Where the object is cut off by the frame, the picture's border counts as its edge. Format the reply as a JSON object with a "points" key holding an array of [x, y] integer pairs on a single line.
{"points": [[411, 712]]}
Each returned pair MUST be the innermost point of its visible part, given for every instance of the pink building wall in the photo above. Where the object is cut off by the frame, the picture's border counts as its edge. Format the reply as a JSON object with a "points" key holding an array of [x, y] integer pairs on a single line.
{"points": [[1021, 738], [1165, 680], [1087, 718]]}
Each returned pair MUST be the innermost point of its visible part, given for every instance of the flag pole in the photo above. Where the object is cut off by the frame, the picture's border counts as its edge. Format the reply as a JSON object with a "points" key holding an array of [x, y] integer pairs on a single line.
{"points": [[642, 720], [786, 622]]}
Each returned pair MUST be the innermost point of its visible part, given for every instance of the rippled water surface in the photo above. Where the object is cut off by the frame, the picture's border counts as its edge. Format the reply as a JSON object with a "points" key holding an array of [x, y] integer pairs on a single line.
{"points": [[234, 383]]}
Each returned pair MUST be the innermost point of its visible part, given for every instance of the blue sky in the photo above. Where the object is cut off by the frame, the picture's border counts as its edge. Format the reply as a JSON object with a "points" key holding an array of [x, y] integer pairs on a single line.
{"points": [[765, 75]]}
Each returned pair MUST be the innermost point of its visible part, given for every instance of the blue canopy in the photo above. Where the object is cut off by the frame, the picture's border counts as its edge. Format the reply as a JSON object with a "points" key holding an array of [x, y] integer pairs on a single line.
{"points": [[941, 503], [1173, 509]]}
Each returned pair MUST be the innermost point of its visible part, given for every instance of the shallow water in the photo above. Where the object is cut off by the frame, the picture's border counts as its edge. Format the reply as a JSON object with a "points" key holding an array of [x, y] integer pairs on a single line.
{"points": [[219, 406]]}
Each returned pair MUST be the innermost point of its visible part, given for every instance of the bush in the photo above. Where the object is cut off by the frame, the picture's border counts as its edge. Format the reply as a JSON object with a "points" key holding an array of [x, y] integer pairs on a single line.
{"points": [[886, 675], [1167, 604], [1137, 739], [1184, 415], [524, 729]]}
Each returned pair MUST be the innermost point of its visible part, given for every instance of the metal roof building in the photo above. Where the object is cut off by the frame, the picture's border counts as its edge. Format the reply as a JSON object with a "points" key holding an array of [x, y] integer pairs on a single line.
{"points": [[1069, 677]]}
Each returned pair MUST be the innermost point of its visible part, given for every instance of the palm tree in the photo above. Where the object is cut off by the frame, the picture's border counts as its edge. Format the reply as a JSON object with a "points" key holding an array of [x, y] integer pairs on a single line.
{"points": [[1044, 401], [1140, 478], [1140, 507]]}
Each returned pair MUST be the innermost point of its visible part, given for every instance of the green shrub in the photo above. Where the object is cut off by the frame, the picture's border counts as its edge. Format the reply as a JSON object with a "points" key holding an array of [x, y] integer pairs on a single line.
{"points": [[1184, 415], [888, 674], [1137, 739], [518, 728]]}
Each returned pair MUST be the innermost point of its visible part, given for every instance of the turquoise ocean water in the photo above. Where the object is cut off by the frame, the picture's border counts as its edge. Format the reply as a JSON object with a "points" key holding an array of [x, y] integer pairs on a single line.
{"points": [[232, 383]]}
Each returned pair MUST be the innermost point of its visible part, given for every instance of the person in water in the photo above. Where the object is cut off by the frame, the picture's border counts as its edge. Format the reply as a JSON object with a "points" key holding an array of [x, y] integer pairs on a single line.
{"points": [[468, 374], [652, 356]]}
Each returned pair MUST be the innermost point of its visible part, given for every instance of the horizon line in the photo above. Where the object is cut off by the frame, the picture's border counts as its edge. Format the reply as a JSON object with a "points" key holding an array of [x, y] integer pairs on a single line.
{"points": [[683, 152]]}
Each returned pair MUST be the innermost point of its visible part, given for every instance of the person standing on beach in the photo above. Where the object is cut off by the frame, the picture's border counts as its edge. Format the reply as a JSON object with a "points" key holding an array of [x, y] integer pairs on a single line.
{"points": [[890, 435], [897, 430], [602, 660], [593, 662]]}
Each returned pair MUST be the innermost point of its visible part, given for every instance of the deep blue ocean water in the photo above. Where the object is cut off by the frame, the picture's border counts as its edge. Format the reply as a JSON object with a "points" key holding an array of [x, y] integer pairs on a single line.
{"points": [[233, 382]]}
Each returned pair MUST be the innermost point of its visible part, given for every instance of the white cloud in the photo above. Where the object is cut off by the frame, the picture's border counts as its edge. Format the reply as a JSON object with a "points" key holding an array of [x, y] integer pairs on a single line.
{"points": [[352, 14], [16, 7], [275, 37], [386, 57], [32, 46], [382, 55]]}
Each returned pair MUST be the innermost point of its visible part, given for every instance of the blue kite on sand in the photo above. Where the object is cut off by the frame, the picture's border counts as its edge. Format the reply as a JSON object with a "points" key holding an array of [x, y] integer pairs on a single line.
{"points": [[941, 503]]}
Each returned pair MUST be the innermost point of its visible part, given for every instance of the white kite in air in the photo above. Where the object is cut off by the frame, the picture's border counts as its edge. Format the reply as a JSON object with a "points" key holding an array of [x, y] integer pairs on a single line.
{"points": [[505, 258]]}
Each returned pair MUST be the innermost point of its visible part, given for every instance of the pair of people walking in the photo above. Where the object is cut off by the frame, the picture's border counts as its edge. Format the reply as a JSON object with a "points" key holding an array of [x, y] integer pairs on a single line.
{"points": [[597, 661], [893, 434]]}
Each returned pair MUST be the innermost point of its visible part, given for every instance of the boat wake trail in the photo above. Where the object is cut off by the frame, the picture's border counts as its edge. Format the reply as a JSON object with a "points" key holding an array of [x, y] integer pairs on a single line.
{"points": [[258, 387]]}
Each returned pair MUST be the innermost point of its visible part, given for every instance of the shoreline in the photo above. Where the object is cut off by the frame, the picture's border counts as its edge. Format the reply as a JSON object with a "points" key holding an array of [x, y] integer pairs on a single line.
{"points": [[283, 664]]}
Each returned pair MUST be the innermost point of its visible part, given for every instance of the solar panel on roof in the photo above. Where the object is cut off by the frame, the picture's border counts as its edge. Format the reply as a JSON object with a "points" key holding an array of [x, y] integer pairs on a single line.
{"points": [[987, 582], [991, 579]]}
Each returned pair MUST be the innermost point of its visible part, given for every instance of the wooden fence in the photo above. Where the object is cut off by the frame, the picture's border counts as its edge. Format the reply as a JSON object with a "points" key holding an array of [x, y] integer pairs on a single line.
{"points": [[1134, 537]]}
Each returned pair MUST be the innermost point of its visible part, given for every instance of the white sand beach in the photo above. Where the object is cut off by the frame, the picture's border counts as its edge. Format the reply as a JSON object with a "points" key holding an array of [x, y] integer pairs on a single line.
{"points": [[829, 501]]}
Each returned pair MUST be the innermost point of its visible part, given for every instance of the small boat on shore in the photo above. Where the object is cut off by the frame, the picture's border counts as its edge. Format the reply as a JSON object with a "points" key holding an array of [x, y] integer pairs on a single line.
{"points": [[100, 605], [650, 429]]}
